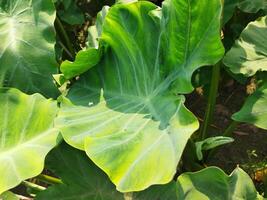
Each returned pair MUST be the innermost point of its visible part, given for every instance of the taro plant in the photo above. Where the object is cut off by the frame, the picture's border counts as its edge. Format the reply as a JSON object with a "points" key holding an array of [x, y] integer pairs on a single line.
{"points": [[113, 114]]}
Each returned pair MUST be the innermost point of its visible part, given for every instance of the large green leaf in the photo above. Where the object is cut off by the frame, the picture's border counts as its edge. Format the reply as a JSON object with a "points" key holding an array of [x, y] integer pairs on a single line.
{"points": [[130, 121], [254, 110], [210, 183], [26, 135], [27, 38], [190, 38], [81, 178], [249, 53]]}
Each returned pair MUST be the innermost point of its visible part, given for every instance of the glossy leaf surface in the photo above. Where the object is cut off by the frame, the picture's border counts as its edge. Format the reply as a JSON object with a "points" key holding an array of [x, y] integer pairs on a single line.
{"points": [[26, 135], [128, 107], [249, 53], [27, 38]]}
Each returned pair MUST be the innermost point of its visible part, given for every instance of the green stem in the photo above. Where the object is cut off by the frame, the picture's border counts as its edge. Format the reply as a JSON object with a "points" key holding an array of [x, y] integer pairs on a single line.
{"points": [[48, 179], [211, 101], [65, 36], [33, 186], [228, 132], [65, 49]]}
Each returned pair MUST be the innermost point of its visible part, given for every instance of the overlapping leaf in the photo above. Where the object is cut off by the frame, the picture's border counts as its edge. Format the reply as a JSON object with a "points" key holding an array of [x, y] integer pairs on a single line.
{"points": [[124, 111], [247, 6], [27, 38], [81, 178], [8, 196], [247, 56], [252, 6], [254, 110], [249, 53], [228, 10], [70, 12], [210, 183], [26, 135], [87, 58]]}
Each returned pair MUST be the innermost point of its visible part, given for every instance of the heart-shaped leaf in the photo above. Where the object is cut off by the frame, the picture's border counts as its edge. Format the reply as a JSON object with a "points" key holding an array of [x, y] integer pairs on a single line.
{"points": [[81, 178], [129, 107], [249, 53], [26, 135], [27, 38]]}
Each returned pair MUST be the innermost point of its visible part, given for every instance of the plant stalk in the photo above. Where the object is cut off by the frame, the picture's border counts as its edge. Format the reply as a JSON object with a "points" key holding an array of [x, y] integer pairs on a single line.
{"points": [[228, 132], [211, 101], [65, 36], [48, 179], [33, 186]]}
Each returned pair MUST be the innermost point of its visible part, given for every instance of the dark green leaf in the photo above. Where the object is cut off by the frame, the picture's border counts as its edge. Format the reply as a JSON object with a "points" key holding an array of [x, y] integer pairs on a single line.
{"points": [[82, 180], [71, 13], [229, 9]]}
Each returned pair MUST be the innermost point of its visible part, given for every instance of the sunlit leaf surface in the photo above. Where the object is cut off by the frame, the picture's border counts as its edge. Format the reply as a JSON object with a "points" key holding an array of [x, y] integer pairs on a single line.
{"points": [[125, 112], [249, 53], [210, 183], [26, 135], [27, 39]]}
